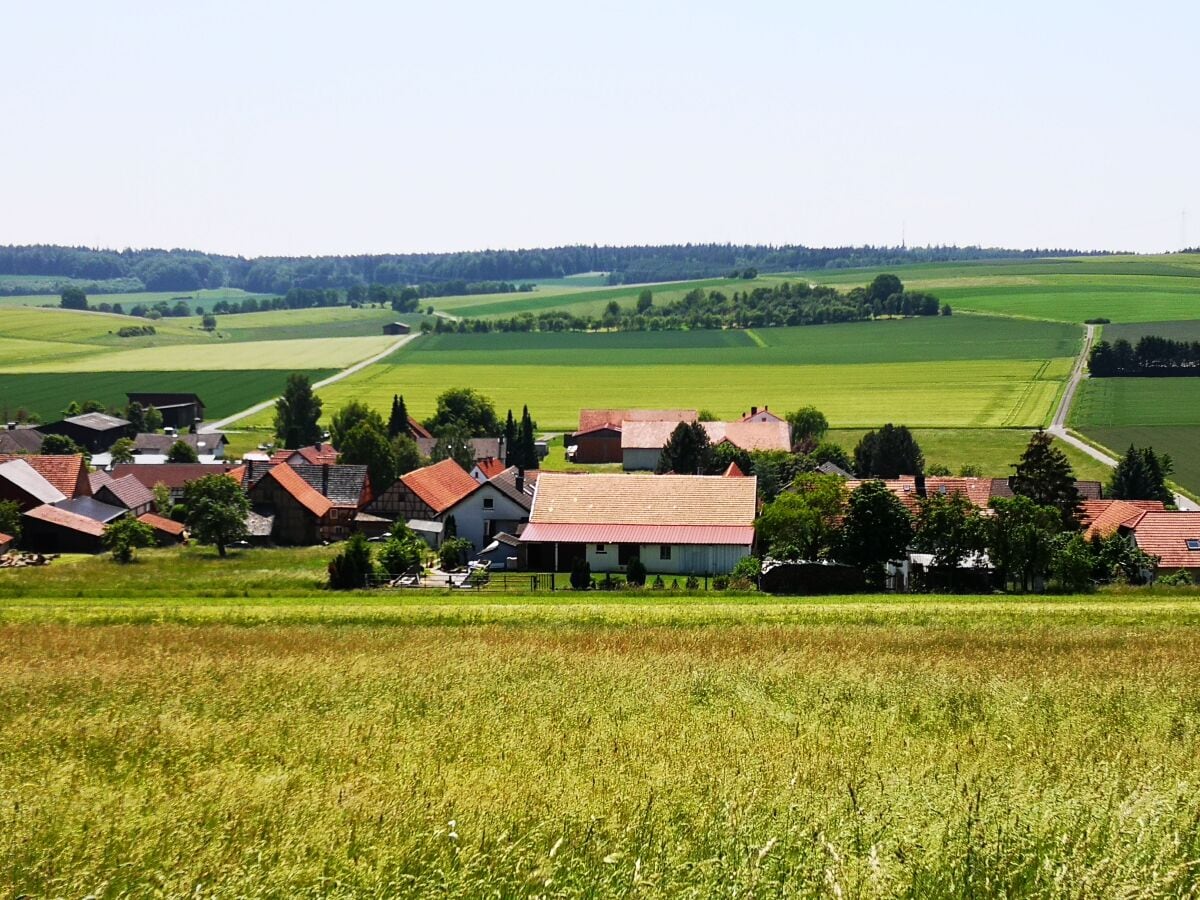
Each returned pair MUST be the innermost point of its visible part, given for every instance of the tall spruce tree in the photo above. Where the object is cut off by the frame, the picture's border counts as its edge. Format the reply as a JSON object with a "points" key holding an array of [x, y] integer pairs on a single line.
{"points": [[398, 421], [1142, 475], [890, 452], [688, 452], [1045, 476], [528, 453], [511, 450]]}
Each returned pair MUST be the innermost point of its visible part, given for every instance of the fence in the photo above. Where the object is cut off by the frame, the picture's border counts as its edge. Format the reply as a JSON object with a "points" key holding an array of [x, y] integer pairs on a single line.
{"points": [[534, 582]]}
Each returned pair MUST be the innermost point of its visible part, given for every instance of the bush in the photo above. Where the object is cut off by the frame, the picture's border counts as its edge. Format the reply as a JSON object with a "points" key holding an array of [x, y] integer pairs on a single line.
{"points": [[1176, 579], [693, 583], [720, 583], [401, 553], [135, 330], [635, 571], [453, 552], [748, 568], [124, 536], [1098, 320], [351, 568], [581, 575], [659, 584]]}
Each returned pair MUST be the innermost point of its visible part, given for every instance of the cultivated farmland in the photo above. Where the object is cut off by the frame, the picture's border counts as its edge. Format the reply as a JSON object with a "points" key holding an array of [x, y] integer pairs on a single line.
{"points": [[447, 746]]}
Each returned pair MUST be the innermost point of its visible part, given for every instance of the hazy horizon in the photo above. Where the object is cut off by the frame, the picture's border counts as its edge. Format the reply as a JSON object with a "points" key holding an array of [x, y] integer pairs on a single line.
{"points": [[299, 130]]}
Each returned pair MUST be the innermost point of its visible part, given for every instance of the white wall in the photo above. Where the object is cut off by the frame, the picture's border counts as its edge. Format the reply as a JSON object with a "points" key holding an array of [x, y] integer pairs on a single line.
{"points": [[640, 459], [470, 516], [686, 559]]}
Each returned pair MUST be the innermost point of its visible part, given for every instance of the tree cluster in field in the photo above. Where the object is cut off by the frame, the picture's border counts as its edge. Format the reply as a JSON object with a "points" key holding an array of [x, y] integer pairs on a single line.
{"points": [[1031, 539], [136, 331], [189, 270], [1152, 356], [786, 304]]}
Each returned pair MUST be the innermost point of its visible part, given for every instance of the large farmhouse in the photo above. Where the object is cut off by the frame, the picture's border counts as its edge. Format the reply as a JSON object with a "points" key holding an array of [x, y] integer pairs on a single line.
{"points": [[693, 524]]}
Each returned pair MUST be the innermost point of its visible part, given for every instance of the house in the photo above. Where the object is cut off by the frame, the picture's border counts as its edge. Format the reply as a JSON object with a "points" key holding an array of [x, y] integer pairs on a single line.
{"points": [[1103, 518], [1088, 490], [1174, 537], [760, 415], [20, 439], [828, 468], [486, 469], [396, 328], [598, 439], [49, 529], [346, 487], [94, 431], [910, 489], [126, 493], [25, 486], [425, 493], [178, 410], [207, 443], [481, 447], [322, 454], [642, 442], [174, 475], [690, 524], [301, 515], [67, 472], [166, 531], [500, 504]]}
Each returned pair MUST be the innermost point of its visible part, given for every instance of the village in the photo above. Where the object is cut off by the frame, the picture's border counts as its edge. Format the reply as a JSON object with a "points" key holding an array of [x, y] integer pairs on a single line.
{"points": [[747, 522]]}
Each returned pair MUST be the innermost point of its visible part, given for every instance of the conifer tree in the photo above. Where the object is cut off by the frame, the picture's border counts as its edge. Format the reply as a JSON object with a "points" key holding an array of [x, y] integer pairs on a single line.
{"points": [[688, 452], [511, 450], [398, 421], [1044, 475], [1142, 475], [528, 448]]}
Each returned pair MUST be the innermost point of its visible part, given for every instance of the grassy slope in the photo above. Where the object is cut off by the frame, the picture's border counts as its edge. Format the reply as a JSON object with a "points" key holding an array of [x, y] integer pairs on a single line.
{"points": [[205, 298], [338, 746]]}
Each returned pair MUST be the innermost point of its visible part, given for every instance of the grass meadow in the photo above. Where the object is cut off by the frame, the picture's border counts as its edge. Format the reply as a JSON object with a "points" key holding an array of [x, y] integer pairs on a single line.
{"points": [[170, 741]]}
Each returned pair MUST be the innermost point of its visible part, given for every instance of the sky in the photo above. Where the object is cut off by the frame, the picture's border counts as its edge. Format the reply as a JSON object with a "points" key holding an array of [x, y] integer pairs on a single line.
{"points": [[273, 128]]}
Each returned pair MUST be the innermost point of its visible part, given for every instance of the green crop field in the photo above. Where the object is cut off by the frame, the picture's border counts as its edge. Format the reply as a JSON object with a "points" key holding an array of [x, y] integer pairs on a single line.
{"points": [[1183, 330], [224, 392], [319, 322], [299, 744], [205, 298]]}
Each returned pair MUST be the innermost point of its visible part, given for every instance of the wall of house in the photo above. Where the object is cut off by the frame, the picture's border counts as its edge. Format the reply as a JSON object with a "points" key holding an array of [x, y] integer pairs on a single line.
{"points": [[685, 559], [640, 459], [398, 502], [294, 523], [477, 524]]}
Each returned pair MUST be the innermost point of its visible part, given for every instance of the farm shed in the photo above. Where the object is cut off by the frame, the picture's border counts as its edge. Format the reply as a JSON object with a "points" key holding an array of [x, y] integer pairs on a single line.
{"points": [[396, 328], [505, 552], [166, 531], [598, 439], [301, 514], [91, 508], [25, 486], [6, 542], [20, 439], [93, 431], [179, 410], [346, 487], [675, 524], [642, 442], [126, 492], [48, 529]]}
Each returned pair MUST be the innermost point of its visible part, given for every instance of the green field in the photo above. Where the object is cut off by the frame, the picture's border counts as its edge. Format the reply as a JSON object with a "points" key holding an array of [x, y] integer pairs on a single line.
{"points": [[1183, 330], [224, 392], [205, 298], [299, 744]]}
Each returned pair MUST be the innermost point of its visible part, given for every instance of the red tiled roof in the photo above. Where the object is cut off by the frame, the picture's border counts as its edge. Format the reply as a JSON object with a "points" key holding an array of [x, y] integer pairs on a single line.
{"points": [[751, 435], [1165, 535], [591, 419], [490, 467], [733, 471], [67, 473], [66, 519], [441, 485], [173, 475], [238, 474], [158, 523], [289, 479], [657, 500], [977, 490], [1104, 517], [417, 429], [5, 539], [98, 479]]}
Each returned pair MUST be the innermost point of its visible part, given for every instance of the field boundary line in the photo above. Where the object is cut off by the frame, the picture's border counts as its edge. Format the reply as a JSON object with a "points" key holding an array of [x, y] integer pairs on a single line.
{"points": [[332, 379]]}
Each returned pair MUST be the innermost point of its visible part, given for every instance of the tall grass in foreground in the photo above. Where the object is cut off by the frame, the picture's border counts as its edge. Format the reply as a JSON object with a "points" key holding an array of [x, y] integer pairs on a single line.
{"points": [[969, 757]]}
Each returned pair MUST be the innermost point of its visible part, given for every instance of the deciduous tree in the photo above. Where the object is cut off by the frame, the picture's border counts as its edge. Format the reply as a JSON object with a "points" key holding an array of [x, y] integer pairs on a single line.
{"points": [[877, 528], [297, 413], [216, 510]]}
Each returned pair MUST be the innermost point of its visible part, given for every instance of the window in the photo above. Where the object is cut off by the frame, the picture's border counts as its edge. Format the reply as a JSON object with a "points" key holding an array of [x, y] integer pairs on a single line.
{"points": [[600, 548], [664, 551], [1193, 544], [489, 502]]}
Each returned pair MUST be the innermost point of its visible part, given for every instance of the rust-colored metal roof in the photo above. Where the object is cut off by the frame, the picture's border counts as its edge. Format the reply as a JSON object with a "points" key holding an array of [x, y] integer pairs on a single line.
{"points": [[67, 473], [304, 493], [607, 499], [159, 523], [66, 519], [737, 535], [441, 485], [1166, 535]]}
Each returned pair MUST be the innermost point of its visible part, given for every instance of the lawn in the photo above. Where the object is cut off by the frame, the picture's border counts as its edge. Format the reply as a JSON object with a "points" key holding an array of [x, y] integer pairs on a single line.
{"points": [[164, 742], [224, 392]]}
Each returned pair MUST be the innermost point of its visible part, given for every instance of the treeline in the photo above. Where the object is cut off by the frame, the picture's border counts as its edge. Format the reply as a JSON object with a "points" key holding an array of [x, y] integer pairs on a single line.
{"points": [[762, 307], [188, 270], [1150, 357]]}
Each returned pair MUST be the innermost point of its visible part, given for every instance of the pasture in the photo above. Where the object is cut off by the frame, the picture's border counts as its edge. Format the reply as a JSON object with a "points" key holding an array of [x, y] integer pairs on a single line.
{"points": [[304, 744], [205, 298], [224, 392]]}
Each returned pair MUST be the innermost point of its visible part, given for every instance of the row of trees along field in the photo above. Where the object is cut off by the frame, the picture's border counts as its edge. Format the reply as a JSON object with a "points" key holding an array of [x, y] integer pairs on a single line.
{"points": [[784, 304], [1031, 538], [1151, 356], [189, 270]]}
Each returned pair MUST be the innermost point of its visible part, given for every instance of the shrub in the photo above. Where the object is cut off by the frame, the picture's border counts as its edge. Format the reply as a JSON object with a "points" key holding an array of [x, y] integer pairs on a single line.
{"points": [[659, 584], [453, 552], [748, 568], [350, 569], [1176, 579], [635, 571], [693, 583], [1097, 320], [401, 553], [124, 536], [581, 575], [720, 583]]}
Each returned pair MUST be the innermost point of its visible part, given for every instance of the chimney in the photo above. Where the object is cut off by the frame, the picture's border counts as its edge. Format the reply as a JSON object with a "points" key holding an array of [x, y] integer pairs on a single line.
{"points": [[520, 481], [919, 480], [754, 410]]}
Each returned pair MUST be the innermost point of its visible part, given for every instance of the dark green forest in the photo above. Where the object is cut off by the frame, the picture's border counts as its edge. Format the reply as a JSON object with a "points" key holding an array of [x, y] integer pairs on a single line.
{"points": [[112, 271]]}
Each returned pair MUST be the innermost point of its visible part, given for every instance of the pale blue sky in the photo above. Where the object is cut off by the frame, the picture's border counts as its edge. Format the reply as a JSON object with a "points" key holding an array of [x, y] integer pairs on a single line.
{"points": [[307, 128]]}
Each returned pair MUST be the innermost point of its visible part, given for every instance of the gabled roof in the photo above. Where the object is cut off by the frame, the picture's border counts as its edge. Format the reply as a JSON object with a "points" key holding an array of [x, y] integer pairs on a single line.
{"points": [[977, 490], [173, 475], [127, 491], [733, 471], [1166, 535], [91, 508], [1089, 490], [590, 419], [828, 468], [763, 414], [417, 429], [677, 500], [21, 440], [343, 484], [159, 523], [28, 480], [98, 479], [97, 421], [441, 485], [310, 498], [204, 442], [317, 455], [490, 467], [6, 539], [66, 472], [1102, 518], [506, 483], [64, 518], [159, 398], [751, 435]]}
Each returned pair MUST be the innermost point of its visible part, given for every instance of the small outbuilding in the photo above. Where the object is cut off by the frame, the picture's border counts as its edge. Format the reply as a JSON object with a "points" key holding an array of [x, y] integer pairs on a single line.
{"points": [[396, 328]]}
